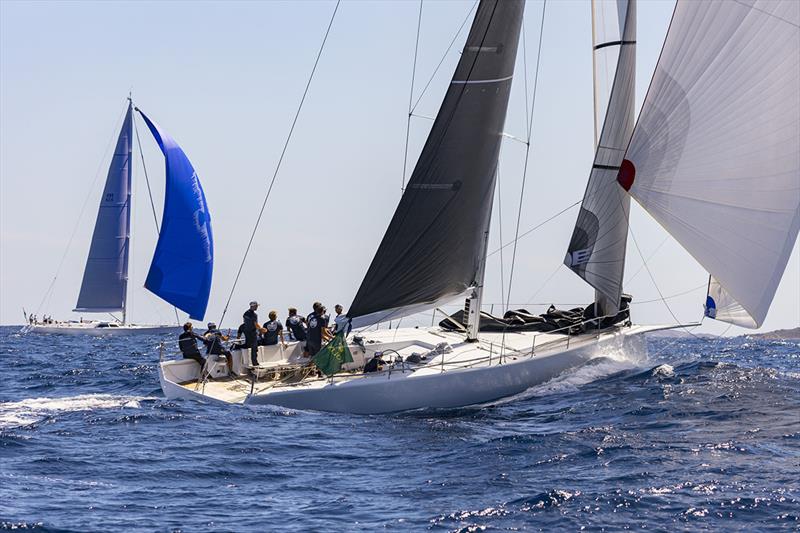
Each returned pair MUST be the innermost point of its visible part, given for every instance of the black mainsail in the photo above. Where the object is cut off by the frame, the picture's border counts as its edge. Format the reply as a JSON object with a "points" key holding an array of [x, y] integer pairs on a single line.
{"points": [[435, 246]]}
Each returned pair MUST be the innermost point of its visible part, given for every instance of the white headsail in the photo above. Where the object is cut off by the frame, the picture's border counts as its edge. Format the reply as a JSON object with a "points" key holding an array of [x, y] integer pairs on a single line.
{"points": [[597, 249], [715, 157]]}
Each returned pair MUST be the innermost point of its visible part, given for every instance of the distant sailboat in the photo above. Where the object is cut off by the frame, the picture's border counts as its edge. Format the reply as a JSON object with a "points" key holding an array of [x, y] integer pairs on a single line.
{"points": [[181, 269], [714, 157]]}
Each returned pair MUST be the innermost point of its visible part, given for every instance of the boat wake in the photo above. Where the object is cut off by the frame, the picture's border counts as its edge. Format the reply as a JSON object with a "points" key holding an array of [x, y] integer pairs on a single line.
{"points": [[33, 410], [610, 361]]}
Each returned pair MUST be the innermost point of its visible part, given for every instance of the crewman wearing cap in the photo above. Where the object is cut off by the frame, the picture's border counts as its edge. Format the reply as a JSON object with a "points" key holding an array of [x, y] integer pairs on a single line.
{"points": [[213, 341], [251, 330]]}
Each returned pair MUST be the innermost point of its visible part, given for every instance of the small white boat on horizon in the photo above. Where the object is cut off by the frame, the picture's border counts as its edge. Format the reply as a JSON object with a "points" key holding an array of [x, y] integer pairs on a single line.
{"points": [[99, 328]]}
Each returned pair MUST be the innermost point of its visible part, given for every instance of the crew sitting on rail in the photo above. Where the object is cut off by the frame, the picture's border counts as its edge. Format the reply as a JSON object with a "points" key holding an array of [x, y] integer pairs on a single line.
{"points": [[272, 330], [187, 342], [213, 339], [296, 325]]}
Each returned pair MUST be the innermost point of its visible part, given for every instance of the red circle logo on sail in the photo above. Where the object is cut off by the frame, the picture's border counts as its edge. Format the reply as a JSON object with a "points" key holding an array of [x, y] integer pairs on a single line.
{"points": [[627, 173]]}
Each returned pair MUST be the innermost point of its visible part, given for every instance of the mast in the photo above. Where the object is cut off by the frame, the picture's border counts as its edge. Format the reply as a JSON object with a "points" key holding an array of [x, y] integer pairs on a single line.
{"points": [[473, 304], [130, 207], [597, 249]]}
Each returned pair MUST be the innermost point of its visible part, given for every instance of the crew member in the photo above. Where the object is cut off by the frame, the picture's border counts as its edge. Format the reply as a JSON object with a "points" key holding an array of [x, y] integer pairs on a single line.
{"points": [[317, 330], [213, 339], [272, 330], [187, 342], [251, 330], [296, 325], [341, 322]]}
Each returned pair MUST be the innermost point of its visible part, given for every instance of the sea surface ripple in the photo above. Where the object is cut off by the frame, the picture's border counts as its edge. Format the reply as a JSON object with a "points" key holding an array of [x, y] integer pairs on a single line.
{"points": [[701, 434]]}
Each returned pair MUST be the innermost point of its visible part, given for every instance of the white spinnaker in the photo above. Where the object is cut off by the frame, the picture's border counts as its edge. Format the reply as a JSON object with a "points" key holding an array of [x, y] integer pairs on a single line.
{"points": [[716, 150], [596, 250]]}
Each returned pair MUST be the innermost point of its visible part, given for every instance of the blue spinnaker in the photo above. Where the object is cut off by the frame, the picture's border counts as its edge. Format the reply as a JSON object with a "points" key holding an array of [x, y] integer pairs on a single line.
{"points": [[180, 272]]}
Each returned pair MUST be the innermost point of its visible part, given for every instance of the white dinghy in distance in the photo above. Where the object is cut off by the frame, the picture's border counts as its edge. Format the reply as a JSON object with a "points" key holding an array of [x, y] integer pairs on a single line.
{"points": [[180, 272], [434, 250]]}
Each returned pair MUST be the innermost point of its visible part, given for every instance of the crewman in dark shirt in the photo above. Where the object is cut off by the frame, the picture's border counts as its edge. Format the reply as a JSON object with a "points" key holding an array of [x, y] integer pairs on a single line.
{"points": [[187, 342], [296, 325], [317, 330], [251, 330], [213, 339], [273, 329]]}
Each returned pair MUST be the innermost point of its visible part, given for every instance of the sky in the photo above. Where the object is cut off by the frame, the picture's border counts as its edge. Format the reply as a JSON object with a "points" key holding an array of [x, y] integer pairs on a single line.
{"points": [[225, 79]]}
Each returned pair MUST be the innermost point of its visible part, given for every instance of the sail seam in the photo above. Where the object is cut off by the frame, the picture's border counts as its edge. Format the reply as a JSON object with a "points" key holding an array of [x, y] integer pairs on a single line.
{"points": [[496, 80]]}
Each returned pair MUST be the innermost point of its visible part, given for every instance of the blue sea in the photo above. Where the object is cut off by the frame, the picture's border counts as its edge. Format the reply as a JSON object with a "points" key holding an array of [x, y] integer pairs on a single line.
{"points": [[700, 434]]}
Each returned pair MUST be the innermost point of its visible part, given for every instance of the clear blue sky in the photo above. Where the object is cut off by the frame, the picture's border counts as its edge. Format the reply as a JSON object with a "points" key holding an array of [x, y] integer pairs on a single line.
{"points": [[224, 79]]}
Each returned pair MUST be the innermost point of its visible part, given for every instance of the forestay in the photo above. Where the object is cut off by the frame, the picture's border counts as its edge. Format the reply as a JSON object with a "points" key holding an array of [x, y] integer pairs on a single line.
{"points": [[105, 278], [183, 261], [596, 250], [435, 244], [715, 158]]}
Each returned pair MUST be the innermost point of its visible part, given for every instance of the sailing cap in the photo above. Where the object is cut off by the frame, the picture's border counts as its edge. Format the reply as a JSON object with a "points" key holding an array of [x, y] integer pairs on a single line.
{"points": [[212, 325]]}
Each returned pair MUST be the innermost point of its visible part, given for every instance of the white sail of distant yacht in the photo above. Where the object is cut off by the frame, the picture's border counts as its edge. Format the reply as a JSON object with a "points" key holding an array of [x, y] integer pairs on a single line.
{"points": [[180, 272], [713, 157]]}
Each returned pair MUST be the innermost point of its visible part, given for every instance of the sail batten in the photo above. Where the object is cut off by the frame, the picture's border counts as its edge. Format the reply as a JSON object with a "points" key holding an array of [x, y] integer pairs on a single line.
{"points": [[182, 266], [715, 156], [434, 247], [105, 277], [596, 251]]}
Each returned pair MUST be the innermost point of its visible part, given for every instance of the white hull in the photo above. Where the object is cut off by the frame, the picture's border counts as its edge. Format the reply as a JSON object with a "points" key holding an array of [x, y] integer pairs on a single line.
{"points": [[467, 377], [93, 328]]}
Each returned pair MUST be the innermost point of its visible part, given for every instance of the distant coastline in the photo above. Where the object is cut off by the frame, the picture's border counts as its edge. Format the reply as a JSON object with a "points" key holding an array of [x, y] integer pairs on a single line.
{"points": [[778, 334]]}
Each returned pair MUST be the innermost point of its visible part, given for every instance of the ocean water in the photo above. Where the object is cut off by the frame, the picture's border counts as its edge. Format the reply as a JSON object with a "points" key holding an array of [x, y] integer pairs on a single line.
{"points": [[700, 434]]}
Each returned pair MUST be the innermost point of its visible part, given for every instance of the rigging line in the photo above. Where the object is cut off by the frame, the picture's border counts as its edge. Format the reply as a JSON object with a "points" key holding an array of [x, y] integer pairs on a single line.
{"points": [[641, 267], [665, 348], [672, 296], [528, 149], [146, 177], [653, 279], [500, 228], [543, 285], [534, 228], [444, 56], [525, 77], [80, 216], [411, 100], [280, 160], [150, 195]]}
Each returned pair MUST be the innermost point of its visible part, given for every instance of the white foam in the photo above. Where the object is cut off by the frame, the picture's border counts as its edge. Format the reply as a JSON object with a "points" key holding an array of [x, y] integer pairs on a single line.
{"points": [[664, 371], [610, 360], [24, 412]]}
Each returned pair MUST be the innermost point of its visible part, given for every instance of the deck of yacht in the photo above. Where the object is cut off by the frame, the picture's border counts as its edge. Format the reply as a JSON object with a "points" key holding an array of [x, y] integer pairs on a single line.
{"points": [[284, 368]]}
